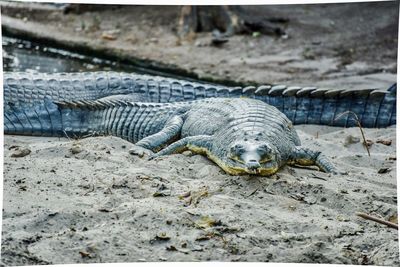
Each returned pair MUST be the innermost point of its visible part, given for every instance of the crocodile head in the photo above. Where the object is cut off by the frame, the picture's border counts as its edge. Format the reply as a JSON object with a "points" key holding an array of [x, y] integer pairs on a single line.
{"points": [[249, 156]]}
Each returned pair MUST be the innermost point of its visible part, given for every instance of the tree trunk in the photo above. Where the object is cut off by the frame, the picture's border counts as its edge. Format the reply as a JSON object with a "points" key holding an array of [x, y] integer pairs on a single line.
{"points": [[227, 20]]}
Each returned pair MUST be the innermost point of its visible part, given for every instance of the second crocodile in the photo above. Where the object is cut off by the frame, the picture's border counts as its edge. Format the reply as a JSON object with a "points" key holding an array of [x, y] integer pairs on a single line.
{"points": [[302, 105]]}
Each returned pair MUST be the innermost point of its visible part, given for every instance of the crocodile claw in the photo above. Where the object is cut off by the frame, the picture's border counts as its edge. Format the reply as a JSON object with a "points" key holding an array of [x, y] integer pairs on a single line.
{"points": [[141, 152], [337, 172]]}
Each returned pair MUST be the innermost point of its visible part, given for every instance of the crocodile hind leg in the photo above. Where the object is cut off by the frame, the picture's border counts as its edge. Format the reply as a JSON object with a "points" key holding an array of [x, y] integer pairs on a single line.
{"points": [[170, 132], [199, 144], [307, 157]]}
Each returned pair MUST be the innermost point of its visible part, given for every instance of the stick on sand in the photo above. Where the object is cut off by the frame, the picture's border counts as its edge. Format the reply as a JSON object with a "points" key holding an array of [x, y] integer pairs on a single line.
{"points": [[359, 126], [369, 217]]}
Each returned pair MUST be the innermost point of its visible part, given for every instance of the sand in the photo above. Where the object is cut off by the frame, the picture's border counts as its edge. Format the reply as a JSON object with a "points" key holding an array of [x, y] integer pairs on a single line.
{"points": [[89, 200]]}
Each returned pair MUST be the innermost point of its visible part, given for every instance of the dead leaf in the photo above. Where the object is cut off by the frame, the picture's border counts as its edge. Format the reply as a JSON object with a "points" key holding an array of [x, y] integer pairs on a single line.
{"points": [[384, 170], [163, 236], [393, 219], [385, 142], [108, 37], [84, 254], [207, 222]]}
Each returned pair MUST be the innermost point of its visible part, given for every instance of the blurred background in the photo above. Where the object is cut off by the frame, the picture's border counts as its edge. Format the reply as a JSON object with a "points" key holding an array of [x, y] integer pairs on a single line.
{"points": [[351, 45]]}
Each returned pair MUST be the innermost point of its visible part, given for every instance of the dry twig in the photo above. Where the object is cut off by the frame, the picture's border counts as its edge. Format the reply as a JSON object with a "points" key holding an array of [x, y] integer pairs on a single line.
{"points": [[359, 126], [69, 139], [369, 217]]}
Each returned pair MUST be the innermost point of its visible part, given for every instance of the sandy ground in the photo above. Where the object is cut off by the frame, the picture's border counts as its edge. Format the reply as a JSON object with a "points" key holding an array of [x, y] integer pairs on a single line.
{"points": [[350, 45], [89, 200]]}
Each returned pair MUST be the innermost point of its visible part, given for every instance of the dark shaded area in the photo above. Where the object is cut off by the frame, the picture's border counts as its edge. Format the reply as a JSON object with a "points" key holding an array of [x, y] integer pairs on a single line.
{"points": [[227, 21], [329, 44]]}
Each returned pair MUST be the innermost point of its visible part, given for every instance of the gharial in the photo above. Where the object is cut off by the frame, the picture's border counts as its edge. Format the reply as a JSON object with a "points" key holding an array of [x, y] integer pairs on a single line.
{"points": [[241, 135]]}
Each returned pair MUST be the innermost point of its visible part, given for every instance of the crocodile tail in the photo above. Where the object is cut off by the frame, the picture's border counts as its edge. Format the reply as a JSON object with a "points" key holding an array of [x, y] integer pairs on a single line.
{"points": [[42, 119], [334, 107], [302, 105], [50, 118]]}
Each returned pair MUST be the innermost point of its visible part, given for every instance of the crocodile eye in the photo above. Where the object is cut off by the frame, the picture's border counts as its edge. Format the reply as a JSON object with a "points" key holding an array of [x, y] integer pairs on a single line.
{"points": [[263, 149], [237, 149]]}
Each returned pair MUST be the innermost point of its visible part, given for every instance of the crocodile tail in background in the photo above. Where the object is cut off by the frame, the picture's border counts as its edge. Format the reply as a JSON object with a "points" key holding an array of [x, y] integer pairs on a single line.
{"points": [[392, 99], [311, 105], [32, 88], [335, 107], [302, 105]]}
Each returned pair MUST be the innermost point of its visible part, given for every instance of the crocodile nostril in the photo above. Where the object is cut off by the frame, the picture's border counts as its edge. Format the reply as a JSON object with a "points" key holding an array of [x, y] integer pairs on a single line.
{"points": [[253, 164]]}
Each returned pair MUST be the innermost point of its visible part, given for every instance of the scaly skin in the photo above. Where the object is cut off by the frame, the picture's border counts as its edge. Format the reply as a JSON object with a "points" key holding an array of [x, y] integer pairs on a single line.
{"points": [[307, 105], [246, 136]]}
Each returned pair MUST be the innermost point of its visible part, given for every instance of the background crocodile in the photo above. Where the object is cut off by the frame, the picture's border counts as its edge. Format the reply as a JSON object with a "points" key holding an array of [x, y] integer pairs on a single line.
{"points": [[246, 136], [302, 105]]}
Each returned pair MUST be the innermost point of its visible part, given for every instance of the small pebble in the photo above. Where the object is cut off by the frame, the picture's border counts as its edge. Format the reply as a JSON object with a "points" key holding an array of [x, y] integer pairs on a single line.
{"points": [[369, 142], [384, 170], [187, 153], [162, 236], [351, 140], [76, 149], [21, 152]]}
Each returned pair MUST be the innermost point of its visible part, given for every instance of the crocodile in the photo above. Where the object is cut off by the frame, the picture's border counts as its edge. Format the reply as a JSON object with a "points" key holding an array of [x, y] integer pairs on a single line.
{"points": [[374, 108], [241, 135]]}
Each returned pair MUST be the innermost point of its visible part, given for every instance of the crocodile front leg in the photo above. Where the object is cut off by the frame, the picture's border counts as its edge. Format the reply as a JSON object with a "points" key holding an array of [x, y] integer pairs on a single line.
{"points": [[199, 144], [307, 157], [170, 132]]}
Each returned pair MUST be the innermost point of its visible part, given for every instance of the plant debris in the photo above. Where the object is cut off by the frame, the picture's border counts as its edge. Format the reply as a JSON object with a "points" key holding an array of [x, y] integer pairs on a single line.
{"points": [[375, 219], [384, 170], [384, 142], [20, 152]]}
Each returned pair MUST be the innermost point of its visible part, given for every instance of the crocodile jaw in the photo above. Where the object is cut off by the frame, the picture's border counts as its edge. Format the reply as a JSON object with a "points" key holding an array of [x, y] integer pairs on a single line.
{"points": [[233, 170]]}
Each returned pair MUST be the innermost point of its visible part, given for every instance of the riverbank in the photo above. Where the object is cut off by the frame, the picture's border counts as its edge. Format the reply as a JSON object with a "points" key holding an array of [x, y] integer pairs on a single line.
{"points": [[338, 45]]}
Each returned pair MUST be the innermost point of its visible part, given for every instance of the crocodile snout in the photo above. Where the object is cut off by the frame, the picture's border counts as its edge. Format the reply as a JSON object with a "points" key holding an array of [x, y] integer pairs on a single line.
{"points": [[253, 164]]}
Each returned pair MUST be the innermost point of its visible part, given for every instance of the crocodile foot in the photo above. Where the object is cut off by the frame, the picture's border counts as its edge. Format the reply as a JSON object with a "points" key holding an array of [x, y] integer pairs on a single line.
{"points": [[140, 151]]}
